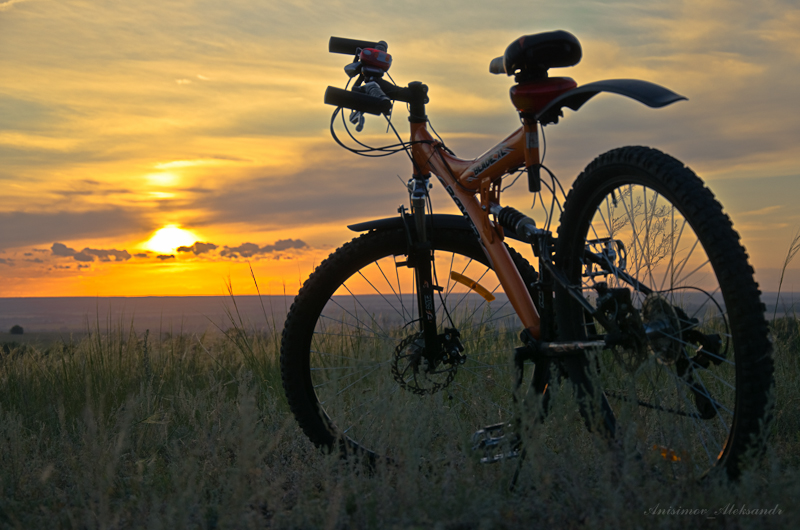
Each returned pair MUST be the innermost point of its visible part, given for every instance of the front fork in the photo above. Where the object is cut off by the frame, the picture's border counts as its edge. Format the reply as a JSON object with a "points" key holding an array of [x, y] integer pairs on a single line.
{"points": [[420, 256]]}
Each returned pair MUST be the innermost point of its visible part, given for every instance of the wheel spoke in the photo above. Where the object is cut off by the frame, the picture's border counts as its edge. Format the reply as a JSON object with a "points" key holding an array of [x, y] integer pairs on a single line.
{"points": [[366, 362], [681, 254]]}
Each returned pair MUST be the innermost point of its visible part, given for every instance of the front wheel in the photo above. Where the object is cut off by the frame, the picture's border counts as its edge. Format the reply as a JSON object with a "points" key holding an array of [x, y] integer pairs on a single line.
{"points": [[353, 360], [689, 366]]}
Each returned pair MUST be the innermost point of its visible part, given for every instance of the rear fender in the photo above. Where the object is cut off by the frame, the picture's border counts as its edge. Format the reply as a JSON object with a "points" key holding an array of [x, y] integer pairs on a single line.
{"points": [[650, 94]]}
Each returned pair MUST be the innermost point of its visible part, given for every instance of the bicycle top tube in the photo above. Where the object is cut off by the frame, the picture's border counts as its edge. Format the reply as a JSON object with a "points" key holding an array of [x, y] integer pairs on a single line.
{"points": [[504, 158]]}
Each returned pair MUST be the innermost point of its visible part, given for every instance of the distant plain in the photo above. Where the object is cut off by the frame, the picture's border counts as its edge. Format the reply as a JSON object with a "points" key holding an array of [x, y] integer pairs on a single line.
{"points": [[54, 317]]}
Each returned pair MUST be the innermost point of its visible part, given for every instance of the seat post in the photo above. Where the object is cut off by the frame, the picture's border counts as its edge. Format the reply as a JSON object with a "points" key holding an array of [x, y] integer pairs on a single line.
{"points": [[532, 165]]}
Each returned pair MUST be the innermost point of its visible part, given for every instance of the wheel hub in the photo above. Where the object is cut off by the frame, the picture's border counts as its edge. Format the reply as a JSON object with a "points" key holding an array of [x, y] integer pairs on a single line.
{"points": [[664, 331]]}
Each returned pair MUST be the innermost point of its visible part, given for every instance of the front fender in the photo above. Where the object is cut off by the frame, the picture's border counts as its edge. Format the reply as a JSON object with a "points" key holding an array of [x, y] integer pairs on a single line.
{"points": [[453, 222], [437, 220], [650, 94]]}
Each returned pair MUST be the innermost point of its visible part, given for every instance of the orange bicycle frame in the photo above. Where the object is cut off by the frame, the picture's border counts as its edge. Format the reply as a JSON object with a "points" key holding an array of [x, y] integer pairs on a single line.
{"points": [[474, 185]]}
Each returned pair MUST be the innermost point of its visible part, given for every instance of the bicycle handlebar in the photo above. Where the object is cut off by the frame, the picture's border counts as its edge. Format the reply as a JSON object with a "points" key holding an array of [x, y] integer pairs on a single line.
{"points": [[378, 97], [349, 46]]}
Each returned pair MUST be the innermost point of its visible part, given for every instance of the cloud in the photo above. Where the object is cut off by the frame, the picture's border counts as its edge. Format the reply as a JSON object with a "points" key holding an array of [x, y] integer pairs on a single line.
{"points": [[88, 254], [8, 4], [198, 248], [60, 249], [8, 262], [32, 228], [248, 250], [371, 188], [231, 158], [164, 257], [245, 250], [140, 255], [764, 211], [106, 255], [283, 244]]}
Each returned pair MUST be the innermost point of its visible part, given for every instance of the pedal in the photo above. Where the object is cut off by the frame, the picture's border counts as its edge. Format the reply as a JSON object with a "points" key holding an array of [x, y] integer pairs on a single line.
{"points": [[495, 444]]}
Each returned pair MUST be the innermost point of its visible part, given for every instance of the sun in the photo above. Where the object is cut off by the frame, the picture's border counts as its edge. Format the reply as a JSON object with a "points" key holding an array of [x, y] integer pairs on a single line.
{"points": [[169, 238]]}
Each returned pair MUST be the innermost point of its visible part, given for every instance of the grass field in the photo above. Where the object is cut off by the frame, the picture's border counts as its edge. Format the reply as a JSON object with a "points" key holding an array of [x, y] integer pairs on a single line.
{"points": [[123, 429]]}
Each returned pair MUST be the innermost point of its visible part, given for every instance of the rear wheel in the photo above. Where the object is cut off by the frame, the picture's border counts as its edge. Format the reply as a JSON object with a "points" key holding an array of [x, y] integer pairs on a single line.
{"points": [[352, 358], [690, 371]]}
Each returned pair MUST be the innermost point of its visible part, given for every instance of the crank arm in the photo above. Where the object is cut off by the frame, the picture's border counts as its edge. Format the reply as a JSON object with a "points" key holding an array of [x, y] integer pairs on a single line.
{"points": [[538, 351]]}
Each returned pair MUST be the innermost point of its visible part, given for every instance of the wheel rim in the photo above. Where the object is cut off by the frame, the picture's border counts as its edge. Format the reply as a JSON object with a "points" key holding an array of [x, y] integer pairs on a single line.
{"points": [[682, 411], [355, 344]]}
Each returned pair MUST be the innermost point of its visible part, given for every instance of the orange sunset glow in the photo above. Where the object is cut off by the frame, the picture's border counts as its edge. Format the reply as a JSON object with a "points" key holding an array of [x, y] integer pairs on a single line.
{"points": [[169, 239], [156, 148]]}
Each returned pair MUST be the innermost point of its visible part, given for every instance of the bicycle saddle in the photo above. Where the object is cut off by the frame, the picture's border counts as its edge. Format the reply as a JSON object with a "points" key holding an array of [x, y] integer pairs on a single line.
{"points": [[530, 56]]}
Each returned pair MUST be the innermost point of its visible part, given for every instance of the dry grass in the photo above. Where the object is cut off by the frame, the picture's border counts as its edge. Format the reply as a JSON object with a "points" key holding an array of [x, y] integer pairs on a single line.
{"points": [[126, 430], [794, 248]]}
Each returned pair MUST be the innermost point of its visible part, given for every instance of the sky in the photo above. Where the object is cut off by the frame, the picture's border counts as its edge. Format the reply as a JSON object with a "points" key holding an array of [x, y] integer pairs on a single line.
{"points": [[175, 147]]}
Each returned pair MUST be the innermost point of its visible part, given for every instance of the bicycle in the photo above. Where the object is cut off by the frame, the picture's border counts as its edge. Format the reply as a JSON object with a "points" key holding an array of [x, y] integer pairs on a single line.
{"points": [[644, 301]]}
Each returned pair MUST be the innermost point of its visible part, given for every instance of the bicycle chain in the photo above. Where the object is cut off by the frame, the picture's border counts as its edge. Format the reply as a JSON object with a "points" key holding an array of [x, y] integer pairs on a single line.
{"points": [[416, 388]]}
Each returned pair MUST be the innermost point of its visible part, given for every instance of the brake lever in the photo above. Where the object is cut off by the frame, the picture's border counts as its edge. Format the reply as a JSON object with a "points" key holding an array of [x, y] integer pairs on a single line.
{"points": [[357, 119], [353, 69]]}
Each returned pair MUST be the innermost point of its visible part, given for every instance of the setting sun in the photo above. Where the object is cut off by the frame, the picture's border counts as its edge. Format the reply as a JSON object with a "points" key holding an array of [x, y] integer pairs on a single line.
{"points": [[167, 239]]}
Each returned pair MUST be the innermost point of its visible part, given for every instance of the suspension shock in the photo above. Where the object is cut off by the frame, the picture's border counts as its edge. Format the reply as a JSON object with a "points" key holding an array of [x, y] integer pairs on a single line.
{"points": [[517, 222]]}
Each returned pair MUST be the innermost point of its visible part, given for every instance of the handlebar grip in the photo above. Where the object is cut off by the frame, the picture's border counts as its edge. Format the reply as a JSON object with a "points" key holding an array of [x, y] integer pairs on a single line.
{"points": [[349, 46], [497, 66], [357, 101]]}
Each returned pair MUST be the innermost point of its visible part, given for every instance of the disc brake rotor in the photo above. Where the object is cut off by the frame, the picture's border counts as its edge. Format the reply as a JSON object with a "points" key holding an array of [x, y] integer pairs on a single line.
{"points": [[412, 370]]}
